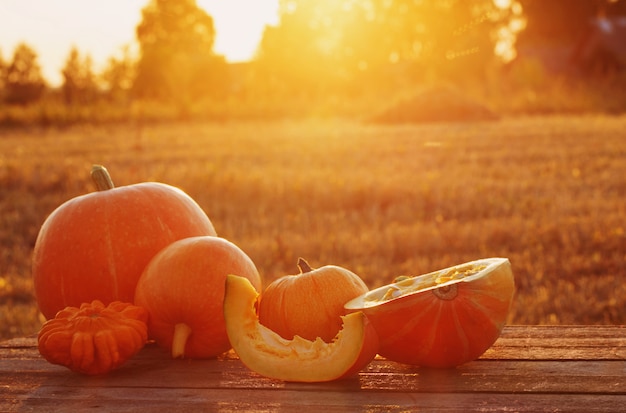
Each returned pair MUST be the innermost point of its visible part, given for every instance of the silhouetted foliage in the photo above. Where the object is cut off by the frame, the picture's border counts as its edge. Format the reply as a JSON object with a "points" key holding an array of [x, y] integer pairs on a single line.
{"points": [[3, 76], [24, 81], [118, 76], [560, 20], [324, 45], [79, 82], [575, 37], [177, 62]]}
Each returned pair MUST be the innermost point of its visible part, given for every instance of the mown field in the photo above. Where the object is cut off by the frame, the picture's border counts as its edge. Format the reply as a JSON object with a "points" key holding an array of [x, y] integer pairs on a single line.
{"points": [[546, 192]]}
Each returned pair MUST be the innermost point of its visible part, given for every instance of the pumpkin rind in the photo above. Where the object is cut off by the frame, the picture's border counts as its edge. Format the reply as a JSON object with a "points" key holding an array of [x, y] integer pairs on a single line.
{"points": [[441, 325], [95, 246], [297, 360], [94, 339], [183, 290], [309, 304]]}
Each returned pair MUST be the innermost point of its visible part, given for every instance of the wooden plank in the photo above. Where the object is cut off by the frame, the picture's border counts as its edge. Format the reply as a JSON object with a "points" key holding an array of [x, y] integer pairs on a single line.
{"points": [[512, 333], [516, 343], [560, 342], [551, 368], [588, 377], [289, 400]]}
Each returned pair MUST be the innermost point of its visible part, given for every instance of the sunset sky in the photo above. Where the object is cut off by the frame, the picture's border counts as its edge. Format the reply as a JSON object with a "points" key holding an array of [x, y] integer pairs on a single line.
{"points": [[102, 28]]}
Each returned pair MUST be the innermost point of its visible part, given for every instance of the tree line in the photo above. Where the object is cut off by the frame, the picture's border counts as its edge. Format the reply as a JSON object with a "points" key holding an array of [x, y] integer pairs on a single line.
{"points": [[319, 48]]}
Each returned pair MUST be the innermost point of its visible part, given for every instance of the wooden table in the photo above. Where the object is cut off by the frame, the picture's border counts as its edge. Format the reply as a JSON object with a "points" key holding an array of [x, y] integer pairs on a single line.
{"points": [[530, 368]]}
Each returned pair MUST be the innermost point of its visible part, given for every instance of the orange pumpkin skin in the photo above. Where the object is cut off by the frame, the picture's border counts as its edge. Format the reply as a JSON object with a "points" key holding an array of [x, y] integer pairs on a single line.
{"points": [[183, 290], [446, 326], [309, 304], [95, 246], [94, 339]]}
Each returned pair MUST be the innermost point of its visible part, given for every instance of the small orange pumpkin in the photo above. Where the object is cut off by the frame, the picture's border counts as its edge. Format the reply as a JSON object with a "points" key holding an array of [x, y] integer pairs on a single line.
{"points": [[94, 339], [95, 246], [183, 290], [309, 304]]}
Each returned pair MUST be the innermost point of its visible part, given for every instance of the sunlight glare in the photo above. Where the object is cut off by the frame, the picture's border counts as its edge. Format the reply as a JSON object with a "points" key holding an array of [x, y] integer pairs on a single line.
{"points": [[502, 4], [239, 25]]}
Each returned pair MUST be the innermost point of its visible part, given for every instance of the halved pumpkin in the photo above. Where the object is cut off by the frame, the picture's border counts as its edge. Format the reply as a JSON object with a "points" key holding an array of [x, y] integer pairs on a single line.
{"points": [[299, 360], [444, 318]]}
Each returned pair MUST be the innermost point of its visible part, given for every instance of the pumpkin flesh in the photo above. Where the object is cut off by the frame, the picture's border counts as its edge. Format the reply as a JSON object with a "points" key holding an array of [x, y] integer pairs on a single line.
{"points": [[442, 319], [298, 360]]}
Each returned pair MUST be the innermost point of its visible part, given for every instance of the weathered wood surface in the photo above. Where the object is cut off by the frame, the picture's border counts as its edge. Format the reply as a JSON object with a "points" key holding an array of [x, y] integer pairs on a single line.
{"points": [[529, 369]]}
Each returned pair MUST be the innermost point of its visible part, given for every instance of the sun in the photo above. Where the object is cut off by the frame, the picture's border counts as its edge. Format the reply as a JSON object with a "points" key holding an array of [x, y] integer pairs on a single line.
{"points": [[239, 25]]}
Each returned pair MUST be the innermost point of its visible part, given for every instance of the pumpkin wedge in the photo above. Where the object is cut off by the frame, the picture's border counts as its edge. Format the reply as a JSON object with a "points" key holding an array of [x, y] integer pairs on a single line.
{"points": [[444, 318], [298, 360]]}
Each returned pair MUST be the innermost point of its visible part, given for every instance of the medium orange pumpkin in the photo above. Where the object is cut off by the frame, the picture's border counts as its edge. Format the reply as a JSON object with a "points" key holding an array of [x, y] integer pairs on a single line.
{"points": [[183, 290], [94, 339], [444, 318], [95, 246], [309, 304]]}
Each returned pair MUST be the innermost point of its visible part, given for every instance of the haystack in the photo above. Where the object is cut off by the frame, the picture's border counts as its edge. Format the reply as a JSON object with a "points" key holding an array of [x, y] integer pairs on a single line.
{"points": [[435, 104]]}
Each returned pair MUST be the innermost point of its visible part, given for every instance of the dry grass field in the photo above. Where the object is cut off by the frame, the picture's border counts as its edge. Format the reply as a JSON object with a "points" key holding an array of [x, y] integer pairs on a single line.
{"points": [[546, 192]]}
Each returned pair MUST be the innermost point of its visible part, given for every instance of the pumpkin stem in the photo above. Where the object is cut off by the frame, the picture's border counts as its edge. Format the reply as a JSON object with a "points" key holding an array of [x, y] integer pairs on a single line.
{"points": [[304, 266], [181, 333], [101, 178], [447, 292]]}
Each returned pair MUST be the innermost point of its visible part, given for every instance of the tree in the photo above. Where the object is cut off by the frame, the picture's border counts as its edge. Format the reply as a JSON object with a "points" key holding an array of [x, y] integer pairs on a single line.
{"points": [[573, 18], [3, 76], [326, 44], [118, 76], [176, 60], [79, 82], [24, 81]]}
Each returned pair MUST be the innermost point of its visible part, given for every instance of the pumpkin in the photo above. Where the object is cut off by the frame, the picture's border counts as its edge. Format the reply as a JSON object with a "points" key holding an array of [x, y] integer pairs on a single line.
{"points": [[96, 245], [444, 318], [94, 339], [309, 304], [298, 360], [183, 290]]}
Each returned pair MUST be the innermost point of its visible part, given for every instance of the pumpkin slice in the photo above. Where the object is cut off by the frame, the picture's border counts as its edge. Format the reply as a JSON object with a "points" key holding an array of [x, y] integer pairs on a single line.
{"points": [[299, 360], [444, 318]]}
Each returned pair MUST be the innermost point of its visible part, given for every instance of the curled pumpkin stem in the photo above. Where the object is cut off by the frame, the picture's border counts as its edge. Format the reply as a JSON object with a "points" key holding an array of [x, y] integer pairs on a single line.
{"points": [[181, 333]]}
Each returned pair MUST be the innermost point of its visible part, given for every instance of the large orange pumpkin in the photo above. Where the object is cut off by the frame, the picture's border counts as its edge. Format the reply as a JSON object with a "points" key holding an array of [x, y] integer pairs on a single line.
{"points": [[95, 246], [309, 304], [299, 360], [183, 290], [444, 318]]}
